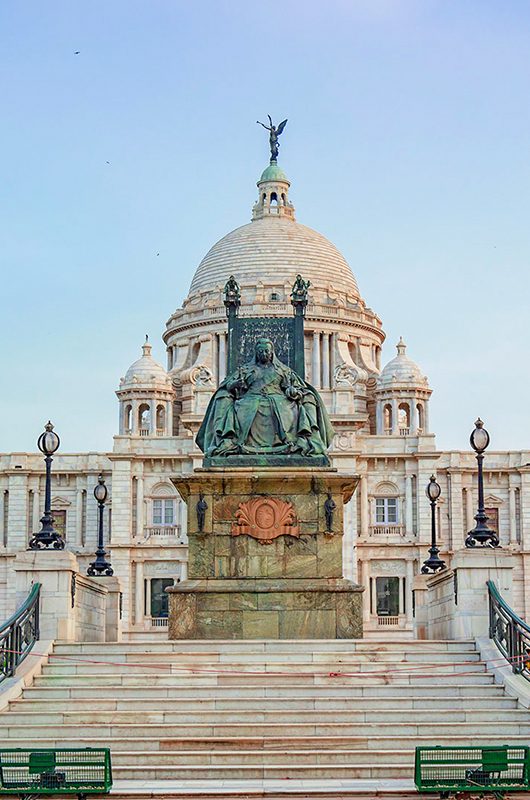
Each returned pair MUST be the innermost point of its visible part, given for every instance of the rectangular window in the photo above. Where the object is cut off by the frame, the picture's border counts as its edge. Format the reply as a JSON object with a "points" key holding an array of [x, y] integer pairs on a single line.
{"points": [[387, 597], [159, 598], [163, 512], [386, 511]]}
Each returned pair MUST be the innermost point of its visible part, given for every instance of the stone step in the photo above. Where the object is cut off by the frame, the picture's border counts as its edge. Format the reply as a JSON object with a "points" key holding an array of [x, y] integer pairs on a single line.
{"points": [[203, 758], [240, 659], [213, 704], [475, 673], [109, 729], [242, 670], [285, 716], [272, 772], [417, 690], [268, 645], [321, 789], [283, 743]]}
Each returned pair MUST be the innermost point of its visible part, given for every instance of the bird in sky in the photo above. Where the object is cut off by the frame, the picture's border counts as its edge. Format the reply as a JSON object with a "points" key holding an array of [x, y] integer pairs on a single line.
{"points": [[76, 52]]}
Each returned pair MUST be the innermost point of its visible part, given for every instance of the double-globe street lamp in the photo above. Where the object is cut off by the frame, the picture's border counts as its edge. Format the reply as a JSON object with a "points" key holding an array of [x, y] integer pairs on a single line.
{"points": [[48, 443], [434, 563], [100, 566], [481, 535]]}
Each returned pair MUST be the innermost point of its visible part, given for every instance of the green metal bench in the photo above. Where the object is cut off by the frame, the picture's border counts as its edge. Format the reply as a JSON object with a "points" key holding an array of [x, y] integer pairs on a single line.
{"points": [[493, 770], [34, 772]]}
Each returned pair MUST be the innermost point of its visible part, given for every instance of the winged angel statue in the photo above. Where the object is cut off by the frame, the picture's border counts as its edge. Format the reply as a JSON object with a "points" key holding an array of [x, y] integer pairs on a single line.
{"points": [[274, 132]]}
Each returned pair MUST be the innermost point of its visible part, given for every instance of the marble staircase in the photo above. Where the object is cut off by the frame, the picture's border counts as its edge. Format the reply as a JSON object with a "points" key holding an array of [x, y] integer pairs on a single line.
{"points": [[271, 717]]}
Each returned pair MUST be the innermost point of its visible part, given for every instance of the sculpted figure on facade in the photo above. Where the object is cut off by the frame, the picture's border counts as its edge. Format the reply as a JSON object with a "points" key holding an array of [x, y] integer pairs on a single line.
{"points": [[265, 408]]}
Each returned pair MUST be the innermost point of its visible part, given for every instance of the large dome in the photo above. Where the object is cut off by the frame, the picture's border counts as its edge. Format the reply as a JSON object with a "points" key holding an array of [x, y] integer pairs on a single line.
{"points": [[273, 248]]}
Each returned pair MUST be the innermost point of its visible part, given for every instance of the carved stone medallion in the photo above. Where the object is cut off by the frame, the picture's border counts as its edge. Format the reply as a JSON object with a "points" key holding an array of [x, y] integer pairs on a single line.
{"points": [[265, 518]]}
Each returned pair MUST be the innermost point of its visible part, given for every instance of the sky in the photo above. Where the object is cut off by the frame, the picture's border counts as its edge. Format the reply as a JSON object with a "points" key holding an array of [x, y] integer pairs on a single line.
{"points": [[129, 145]]}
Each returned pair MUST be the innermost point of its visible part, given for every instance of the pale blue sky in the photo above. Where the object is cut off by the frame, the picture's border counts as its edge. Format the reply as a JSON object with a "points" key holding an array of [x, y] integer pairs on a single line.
{"points": [[408, 145]]}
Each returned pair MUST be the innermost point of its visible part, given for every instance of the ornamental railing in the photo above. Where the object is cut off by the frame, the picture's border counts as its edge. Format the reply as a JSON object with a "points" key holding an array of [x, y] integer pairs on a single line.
{"points": [[510, 633], [19, 634]]}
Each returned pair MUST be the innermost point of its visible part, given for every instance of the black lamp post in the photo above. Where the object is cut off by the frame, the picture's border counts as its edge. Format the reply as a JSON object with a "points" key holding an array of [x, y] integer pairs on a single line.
{"points": [[481, 535], [100, 565], [48, 442], [433, 563]]}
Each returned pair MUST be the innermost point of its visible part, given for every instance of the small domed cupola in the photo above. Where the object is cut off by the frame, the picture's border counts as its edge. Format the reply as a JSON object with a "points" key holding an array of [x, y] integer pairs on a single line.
{"points": [[146, 398], [402, 397], [273, 194]]}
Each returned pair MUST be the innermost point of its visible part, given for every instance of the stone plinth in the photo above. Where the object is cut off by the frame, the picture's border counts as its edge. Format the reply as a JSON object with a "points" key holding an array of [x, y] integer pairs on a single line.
{"points": [[264, 564], [455, 605]]}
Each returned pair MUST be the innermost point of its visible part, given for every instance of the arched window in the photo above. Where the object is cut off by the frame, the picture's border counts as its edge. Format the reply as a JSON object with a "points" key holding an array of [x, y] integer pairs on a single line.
{"points": [[421, 418], [160, 420], [144, 419], [274, 198], [127, 420], [387, 418], [404, 419], [283, 199]]}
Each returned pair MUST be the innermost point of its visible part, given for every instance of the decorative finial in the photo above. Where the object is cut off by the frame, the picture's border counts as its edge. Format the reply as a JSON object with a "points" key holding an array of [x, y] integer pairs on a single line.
{"points": [[274, 132], [146, 347], [401, 347]]}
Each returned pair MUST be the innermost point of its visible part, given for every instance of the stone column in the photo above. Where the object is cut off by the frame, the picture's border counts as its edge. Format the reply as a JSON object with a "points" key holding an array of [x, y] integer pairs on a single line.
{"points": [[395, 428], [169, 418], [426, 428], [365, 581], [121, 418], [79, 517], [364, 506], [3, 532], [379, 417], [334, 349], [409, 579], [413, 417], [513, 516], [152, 414], [409, 521], [139, 598], [139, 505], [316, 360], [183, 570], [470, 509], [18, 510], [325, 361], [134, 420], [37, 512]]}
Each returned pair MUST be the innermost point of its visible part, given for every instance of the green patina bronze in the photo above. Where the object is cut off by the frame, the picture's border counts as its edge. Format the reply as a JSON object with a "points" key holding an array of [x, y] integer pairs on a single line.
{"points": [[265, 414]]}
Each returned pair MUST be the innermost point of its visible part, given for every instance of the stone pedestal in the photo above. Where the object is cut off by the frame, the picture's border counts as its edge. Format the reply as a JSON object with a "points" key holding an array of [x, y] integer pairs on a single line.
{"points": [[264, 564], [456, 605], [55, 571]]}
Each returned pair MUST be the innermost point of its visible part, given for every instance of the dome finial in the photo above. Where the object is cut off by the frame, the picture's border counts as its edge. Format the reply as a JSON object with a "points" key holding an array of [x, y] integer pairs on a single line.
{"points": [[146, 347], [401, 347], [274, 132]]}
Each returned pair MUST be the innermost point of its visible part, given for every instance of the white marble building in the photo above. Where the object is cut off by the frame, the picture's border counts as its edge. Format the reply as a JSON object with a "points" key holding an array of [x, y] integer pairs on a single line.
{"points": [[381, 418]]}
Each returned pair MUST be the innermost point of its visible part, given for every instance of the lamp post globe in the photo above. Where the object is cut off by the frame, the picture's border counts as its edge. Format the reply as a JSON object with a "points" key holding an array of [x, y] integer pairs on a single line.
{"points": [[434, 563], [481, 534], [100, 566], [48, 443]]}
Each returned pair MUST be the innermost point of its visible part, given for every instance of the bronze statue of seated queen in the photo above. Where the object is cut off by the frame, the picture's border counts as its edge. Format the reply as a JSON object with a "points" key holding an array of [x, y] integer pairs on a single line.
{"points": [[265, 414]]}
